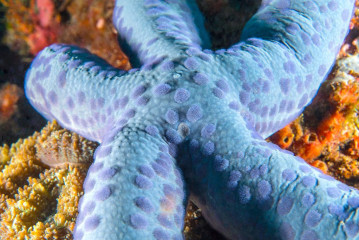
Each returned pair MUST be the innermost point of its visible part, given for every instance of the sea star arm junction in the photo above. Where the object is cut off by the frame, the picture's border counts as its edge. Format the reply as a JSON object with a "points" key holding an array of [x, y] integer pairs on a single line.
{"points": [[151, 30]]}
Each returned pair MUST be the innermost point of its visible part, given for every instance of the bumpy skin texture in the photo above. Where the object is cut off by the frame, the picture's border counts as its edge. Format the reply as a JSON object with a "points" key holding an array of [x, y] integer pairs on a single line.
{"points": [[191, 123]]}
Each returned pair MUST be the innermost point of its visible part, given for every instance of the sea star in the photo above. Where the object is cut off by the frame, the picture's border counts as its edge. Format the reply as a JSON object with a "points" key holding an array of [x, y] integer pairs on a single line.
{"points": [[190, 123]]}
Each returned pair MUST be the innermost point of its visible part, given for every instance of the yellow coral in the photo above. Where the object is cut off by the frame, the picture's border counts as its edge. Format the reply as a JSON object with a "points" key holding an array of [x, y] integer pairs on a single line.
{"points": [[37, 202]]}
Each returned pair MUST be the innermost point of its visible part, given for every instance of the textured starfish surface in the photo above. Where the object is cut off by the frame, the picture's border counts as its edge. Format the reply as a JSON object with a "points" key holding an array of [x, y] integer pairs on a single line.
{"points": [[191, 123]]}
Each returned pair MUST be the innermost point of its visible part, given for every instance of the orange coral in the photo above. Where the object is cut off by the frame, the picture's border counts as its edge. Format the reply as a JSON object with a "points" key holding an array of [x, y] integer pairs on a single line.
{"points": [[9, 95], [284, 137], [37, 22], [329, 127]]}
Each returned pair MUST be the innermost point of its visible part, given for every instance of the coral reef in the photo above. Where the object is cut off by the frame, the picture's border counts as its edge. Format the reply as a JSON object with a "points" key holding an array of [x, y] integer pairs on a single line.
{"points": [[329, 142], [36, 201], [34, 21], [35, 24], [9, 96]]}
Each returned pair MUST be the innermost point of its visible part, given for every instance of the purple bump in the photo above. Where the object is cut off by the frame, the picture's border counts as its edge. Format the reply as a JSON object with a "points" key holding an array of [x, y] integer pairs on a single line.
{"points": [[308, 199], [264, 189], [70, 103], [194, 113], [292, 28], [103, 194], [208, 148], [169, 191], [242, 75], [78, 234], [305, 169], [164, 221], [263, 170], [130, 113], [171, 116], [147, 171], [96, 167], [173, 136], [351, 228], [338, 211], [323, 9], [88, 208], [289, 67], [333, 192], [284, 205], [181, 95], [138, 221], [354, 202], [234, 105], [305, 38], [52, 97], [289, 175], [64, 118], [244, 194], [89, 185], [220, 163], [162, 89], [200, 78], [268, 73], [312, 218], [208, 130], [303, 101], [218, 93], [309, 235], [254, 173], [107, 174], [332, 5], [234, 177], [143, 182], [166, 165], [286, 231], [92, 223], [191, 63], [316, 39], [160, 234], [61, 79], [223, 85], [167, 65], [138, 91], [81, 97], [152, 130], [160, 171], [144, 204], [102, 152], [142, 101], [284, 85], [244, 97]]}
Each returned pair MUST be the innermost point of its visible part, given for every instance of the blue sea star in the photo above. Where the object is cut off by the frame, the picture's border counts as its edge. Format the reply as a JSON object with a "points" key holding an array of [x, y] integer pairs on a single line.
{"points": [[191, 123]]}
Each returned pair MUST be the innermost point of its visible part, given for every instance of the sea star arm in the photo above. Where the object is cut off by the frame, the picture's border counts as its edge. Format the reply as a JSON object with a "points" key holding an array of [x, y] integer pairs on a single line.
{"points": [[250, 189], [285, 52], [151, 29], [82, 91], [133, 190]]}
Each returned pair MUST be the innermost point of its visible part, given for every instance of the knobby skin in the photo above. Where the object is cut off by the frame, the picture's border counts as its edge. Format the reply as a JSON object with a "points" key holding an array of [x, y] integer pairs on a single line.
{"points": [[189, 122]]}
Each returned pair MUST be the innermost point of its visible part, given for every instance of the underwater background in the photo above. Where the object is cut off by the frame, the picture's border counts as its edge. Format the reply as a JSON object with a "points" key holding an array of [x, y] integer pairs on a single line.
{"points": [[43, 166]]}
